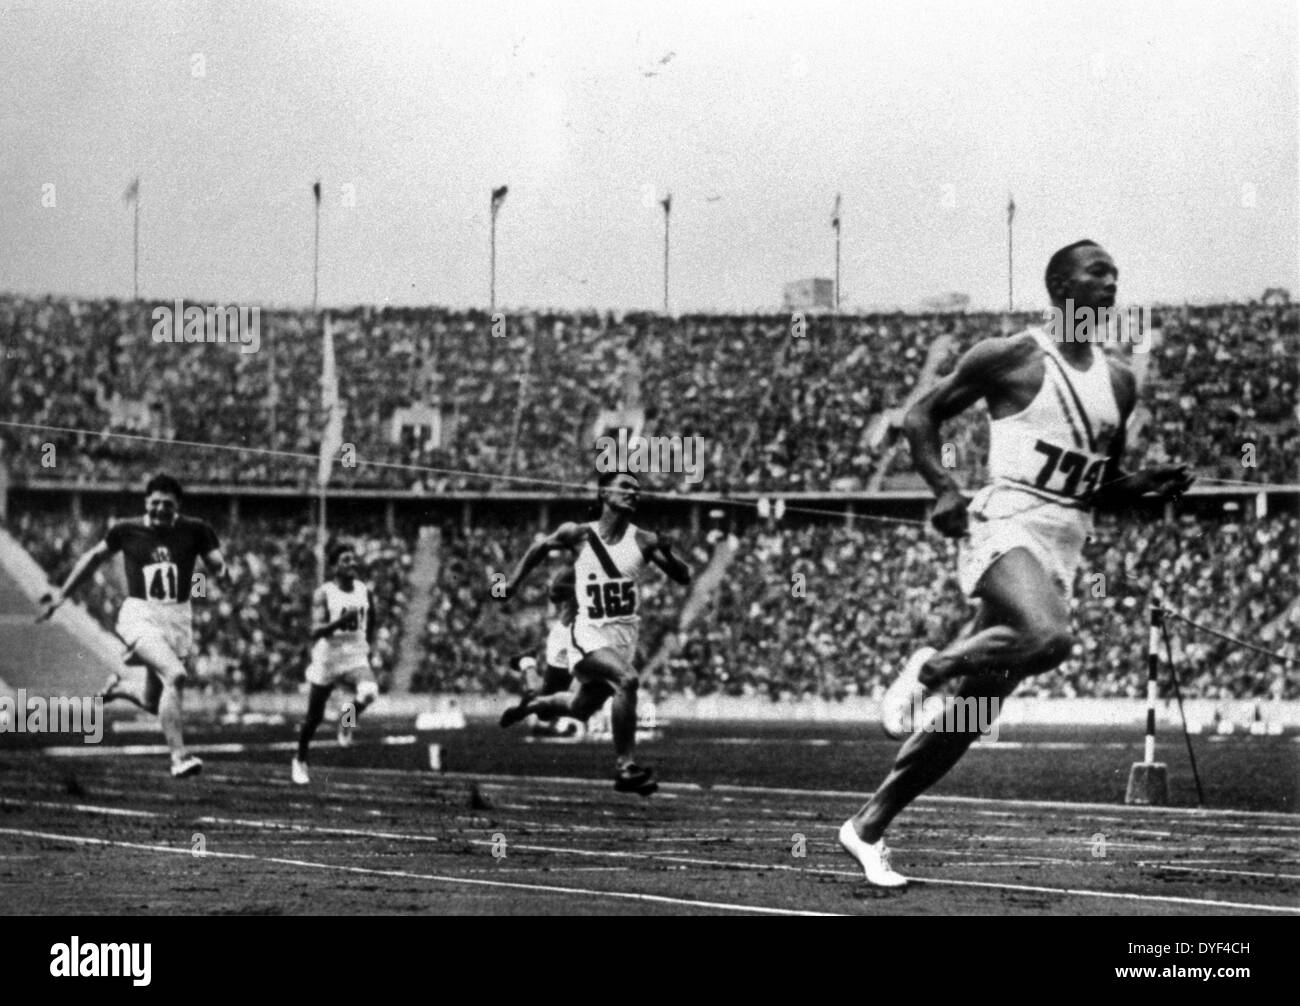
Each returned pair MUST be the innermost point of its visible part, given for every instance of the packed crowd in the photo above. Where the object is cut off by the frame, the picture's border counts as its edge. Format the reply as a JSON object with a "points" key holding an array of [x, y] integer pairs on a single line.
{"points": [[874, 594], [830, 611], [824, 610], [781, 408], [251, 630]]}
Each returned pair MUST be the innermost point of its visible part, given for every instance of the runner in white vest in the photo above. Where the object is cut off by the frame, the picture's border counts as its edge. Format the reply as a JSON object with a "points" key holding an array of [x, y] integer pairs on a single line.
{"points": [[343, 627], [1057, 414], [612, 555]]}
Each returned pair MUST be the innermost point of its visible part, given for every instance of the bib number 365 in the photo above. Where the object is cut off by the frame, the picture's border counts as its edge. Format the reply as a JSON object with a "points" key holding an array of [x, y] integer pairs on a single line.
{"points": [[611, 600]]}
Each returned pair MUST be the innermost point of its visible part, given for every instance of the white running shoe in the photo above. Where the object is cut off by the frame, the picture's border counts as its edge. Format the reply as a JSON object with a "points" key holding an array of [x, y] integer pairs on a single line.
{"points": [[873, 857], [347, 723], [301, 776], [187, 766], [905, 695]]}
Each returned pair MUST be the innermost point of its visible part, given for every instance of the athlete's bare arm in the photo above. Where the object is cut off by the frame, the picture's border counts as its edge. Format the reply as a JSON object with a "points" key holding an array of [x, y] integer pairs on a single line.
{"points": [[566, 536], [993, 369], [372, 619], [84, 568], [659, 550], [321, 626], [215, 563]]}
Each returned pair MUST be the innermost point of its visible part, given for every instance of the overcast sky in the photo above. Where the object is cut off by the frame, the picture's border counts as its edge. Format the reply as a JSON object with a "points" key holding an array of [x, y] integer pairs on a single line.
{"points": [[1166, 131]]}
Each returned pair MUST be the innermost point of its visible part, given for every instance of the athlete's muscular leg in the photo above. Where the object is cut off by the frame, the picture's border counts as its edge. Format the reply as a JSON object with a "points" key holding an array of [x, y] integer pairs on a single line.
{"points": [[316, 700], [138, 685], [622, 713], [1032, 635], [1019, 605], [164, 693], [925, 758], [603, 672]]}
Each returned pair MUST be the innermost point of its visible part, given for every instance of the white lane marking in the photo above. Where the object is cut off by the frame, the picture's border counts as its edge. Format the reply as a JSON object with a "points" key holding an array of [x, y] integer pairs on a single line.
{"points": [[1185, 868], [735, 864], [407, 875], [691, 787], [112, 750]]}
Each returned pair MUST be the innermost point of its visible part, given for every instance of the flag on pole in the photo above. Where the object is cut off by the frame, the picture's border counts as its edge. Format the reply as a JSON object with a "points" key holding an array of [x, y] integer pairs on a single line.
{"points": [[835, 216], [315, 190], [332, 437], [132, 192], [1011, 209], [667, 203], [499, 197]]}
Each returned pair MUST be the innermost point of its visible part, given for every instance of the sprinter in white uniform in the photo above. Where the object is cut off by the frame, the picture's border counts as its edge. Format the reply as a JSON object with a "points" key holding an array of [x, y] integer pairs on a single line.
{"points": [[1057, 411], [343, 627], [612, 554], [557, 673]]}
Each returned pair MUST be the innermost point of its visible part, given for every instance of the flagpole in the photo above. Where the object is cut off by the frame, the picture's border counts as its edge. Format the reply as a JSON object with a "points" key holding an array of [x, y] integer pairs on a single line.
{"points": [[315, 268], [1011, 216], [498, 197], [837, 268], [667, 205], [835, 222], [322, 482], [1011, 301], [135, 268]]}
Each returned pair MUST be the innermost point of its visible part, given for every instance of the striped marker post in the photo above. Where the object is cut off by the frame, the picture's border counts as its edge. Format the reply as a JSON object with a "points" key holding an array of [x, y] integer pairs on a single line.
{"points": [[1148, 780]]}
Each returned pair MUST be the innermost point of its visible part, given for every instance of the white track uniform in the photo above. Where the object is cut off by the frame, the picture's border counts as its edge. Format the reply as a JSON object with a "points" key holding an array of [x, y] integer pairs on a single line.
{"points": [[558, 642], [1044, 461], [173, 623], [345, 655], [606, 576]]}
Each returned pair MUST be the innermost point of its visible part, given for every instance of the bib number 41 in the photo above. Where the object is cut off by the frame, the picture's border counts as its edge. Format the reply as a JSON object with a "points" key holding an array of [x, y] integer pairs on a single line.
{"points": [[160, 581]]}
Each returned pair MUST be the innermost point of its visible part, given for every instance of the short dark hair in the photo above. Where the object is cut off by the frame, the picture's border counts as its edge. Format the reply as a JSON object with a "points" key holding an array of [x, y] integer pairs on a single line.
{"points": [[161, 483], [1057, 263], [336, 552], [607, 478]]}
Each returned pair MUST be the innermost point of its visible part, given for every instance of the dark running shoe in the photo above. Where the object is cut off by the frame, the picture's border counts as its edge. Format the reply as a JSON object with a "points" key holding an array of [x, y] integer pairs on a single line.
{"points": [[635, 779], [516, 713]]}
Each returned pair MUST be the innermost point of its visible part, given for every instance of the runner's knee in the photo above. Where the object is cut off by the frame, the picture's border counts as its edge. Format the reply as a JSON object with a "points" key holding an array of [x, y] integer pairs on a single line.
{"points": [[587, 703]]}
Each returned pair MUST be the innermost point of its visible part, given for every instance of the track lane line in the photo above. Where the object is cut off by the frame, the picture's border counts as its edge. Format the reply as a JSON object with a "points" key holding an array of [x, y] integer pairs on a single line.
{"points": [[407, 875], [272, 825]]}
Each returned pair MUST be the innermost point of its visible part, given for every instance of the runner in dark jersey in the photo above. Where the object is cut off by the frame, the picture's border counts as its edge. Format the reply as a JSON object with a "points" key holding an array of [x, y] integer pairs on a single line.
{"points": [[155, 622]]}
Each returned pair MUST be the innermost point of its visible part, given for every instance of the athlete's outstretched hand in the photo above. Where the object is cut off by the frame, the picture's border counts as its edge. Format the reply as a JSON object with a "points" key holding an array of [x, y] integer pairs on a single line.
{"points": [[949, 517], [1163, 482]]}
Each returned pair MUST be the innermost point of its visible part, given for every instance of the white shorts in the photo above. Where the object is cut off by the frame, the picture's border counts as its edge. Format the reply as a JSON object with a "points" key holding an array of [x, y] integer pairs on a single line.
{"points": [[170, 624], [330, 667], [1003, 518], [621, 637]]}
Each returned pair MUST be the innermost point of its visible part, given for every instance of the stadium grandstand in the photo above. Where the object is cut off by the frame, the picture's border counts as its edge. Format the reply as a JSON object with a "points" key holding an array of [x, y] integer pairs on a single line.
{"points": [[467, 445]]}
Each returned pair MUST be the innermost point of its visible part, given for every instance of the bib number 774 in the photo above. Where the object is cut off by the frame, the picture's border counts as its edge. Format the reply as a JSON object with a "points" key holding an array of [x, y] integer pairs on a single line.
{"points": [[1081, 475]]}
